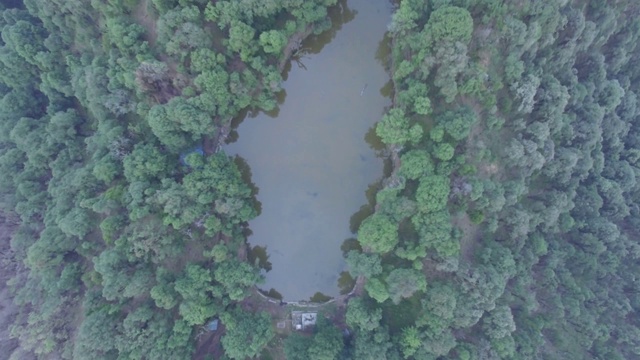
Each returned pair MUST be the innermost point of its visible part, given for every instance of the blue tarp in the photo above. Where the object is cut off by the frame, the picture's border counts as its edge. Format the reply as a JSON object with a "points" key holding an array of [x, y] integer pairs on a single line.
{"points": [[212, 325]]}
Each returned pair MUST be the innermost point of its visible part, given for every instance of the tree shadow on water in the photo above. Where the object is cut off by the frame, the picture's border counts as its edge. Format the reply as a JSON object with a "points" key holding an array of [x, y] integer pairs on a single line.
{"points": [[350, 244], [280, 98], [259, 257], [272, 293], [339, 15], [346, 282], [319, 297], [367, 209], [251, 113], [383, 52], [245, 171], [374, 142], [387, 90]]}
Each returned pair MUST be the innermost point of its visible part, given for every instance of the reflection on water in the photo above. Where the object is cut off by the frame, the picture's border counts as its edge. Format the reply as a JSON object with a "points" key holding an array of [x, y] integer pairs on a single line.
{"points": [[387, 89], [346, 282], [316, 159], [319, 297], [340, 14], [258, 256], [348, 245], [245, 172], [272, 293], [384, 51], [365, 210]]}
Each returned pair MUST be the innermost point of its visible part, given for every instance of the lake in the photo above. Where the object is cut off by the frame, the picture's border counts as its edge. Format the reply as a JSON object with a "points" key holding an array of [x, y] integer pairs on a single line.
{"points": [[313, 159]]}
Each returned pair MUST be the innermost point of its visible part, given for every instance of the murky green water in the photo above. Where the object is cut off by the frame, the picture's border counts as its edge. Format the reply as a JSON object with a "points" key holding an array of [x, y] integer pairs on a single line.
{"points": [[313, 160]]}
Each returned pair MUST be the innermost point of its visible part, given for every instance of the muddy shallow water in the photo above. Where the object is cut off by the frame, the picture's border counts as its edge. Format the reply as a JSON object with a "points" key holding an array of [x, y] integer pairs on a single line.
{"points": [[313, 159]]}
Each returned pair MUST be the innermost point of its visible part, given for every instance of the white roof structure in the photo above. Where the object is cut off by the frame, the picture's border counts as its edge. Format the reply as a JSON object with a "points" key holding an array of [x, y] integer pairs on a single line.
{"points": [[302, 320], [309, 319]]}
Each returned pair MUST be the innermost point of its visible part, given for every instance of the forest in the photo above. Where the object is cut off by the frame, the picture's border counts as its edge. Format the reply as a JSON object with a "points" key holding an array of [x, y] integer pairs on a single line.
{"points": [[506, 230]]}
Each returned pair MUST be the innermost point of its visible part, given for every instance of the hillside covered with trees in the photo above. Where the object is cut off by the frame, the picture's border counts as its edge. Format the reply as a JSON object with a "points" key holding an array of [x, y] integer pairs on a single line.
{"points": [[123, 248], [507, 229]]}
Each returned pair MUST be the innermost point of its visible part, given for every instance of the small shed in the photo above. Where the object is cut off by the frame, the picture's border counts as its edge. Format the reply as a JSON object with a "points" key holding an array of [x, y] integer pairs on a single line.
{"points": [[302, 320]]}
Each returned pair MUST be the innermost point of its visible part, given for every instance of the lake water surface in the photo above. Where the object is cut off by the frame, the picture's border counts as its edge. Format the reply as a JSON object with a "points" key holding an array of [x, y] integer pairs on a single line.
{"points": [[311, 160]]}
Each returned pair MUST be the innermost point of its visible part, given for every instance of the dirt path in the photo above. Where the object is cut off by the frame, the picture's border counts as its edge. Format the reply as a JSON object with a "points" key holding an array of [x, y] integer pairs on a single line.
{"points": [[470, 238], [142, 16], [209, 346]]}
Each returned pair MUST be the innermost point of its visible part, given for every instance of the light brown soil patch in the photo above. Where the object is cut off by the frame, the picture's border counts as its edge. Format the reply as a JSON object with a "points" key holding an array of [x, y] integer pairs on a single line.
{"points": [[470, 238], [142, 16]]}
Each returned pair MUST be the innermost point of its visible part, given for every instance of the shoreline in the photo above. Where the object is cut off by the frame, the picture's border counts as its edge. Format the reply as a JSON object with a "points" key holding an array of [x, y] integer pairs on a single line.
{"points": [[393, 156], [212, 144]]}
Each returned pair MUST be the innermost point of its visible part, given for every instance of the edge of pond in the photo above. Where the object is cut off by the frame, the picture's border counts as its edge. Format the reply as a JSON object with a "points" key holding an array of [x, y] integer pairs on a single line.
{"points": [[392, 154], [213, 144]]}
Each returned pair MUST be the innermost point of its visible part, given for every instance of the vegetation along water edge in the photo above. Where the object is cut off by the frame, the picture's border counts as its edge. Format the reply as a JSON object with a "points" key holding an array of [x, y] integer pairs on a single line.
{"points": [[507, 229]]}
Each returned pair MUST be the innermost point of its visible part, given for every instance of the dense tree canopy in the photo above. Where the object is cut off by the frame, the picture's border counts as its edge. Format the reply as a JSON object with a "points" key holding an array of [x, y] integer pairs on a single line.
{"points": [[126, 244], [524, 187], [507, 228], [378, 233], [326, 343], [450, 23], [246, 333]]}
